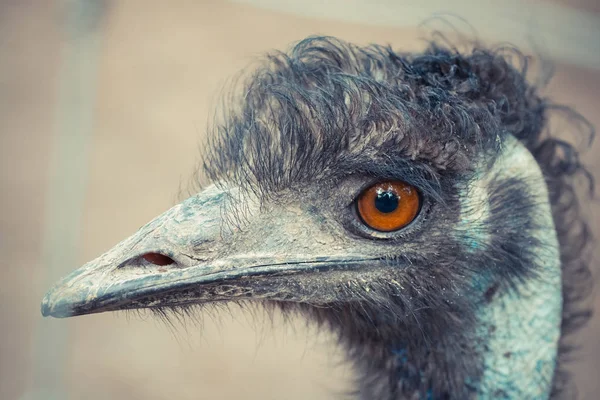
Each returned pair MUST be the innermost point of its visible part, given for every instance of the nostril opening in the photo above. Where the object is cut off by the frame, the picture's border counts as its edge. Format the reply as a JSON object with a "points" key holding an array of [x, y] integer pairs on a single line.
{"points": [[158, 259]]}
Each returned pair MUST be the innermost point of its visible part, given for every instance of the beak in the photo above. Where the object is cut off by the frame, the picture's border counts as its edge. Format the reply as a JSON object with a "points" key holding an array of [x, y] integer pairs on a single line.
{"points": [[193, 254]]}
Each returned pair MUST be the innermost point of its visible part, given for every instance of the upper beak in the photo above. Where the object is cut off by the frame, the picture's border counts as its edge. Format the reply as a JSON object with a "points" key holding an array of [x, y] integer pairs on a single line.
{"points": [[203, 261]]}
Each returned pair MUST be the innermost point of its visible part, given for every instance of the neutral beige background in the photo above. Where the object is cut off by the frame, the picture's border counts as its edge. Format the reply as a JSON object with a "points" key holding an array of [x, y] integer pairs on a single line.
{"points": [[159, 69]]}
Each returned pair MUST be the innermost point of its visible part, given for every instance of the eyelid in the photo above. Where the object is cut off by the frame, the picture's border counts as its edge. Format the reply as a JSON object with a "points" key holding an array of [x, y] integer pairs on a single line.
{"points": [[373, 180]]}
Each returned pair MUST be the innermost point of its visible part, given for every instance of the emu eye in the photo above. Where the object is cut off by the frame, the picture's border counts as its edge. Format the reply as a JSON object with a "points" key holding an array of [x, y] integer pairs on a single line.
{"points": [[388, 206]]}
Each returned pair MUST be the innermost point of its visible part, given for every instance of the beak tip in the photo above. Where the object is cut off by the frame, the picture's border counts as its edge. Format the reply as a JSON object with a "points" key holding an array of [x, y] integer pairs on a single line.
{"points": [[45, 309], [55, 307], [46, 306]]}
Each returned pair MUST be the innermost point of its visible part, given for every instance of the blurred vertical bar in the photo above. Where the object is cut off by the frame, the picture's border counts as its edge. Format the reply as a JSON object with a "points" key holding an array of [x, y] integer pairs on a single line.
{"points": [[67, 178]]}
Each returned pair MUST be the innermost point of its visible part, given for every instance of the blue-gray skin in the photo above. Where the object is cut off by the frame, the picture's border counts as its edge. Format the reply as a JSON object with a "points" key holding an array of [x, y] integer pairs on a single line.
{"points": [[464, 302], [521, 352]]}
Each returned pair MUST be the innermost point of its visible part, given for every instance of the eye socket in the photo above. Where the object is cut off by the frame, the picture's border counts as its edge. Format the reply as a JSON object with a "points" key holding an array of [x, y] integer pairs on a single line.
{"points": [[389, 206]]}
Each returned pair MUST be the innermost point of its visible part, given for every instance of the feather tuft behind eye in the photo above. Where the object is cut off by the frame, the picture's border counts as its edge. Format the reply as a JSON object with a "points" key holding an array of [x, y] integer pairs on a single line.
{"points": [[388, 206]]}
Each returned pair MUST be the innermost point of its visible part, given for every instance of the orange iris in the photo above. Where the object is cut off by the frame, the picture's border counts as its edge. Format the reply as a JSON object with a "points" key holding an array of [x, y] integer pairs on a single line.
{"points": [[389, 206]]}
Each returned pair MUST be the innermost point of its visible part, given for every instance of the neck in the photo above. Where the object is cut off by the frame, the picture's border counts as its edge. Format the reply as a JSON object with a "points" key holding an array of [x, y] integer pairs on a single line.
{"points": [[511, 354], [522, 323]]}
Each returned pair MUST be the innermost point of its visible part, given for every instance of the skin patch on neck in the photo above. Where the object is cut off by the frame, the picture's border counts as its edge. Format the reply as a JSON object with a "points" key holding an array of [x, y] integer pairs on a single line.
{"points": [[522, 323]]}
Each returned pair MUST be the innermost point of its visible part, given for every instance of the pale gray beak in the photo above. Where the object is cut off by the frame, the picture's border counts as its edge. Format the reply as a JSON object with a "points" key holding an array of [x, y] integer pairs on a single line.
{"points": [[191, 254]]}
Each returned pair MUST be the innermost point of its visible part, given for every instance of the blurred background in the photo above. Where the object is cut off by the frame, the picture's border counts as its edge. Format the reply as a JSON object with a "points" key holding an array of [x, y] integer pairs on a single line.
{"points": [[102, 107]]}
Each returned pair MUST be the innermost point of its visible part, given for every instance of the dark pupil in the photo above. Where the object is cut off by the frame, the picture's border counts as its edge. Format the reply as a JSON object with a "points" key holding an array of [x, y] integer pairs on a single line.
{"points": [[386, 202]]}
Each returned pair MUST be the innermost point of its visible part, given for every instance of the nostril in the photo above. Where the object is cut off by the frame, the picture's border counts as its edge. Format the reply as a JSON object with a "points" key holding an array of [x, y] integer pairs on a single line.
{"points": [[158, 259]]}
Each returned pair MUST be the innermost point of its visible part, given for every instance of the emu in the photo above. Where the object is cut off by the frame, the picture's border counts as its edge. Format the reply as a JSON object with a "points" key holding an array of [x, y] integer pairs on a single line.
{"points": [[413, 203]]}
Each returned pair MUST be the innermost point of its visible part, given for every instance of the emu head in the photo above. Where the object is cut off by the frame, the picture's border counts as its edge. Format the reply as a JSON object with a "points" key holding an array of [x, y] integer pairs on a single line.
{"points": [[396, 198]]}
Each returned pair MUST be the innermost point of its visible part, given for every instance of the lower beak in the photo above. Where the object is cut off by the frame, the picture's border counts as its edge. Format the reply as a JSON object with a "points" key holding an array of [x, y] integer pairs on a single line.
{"points": [[87, 293]]}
